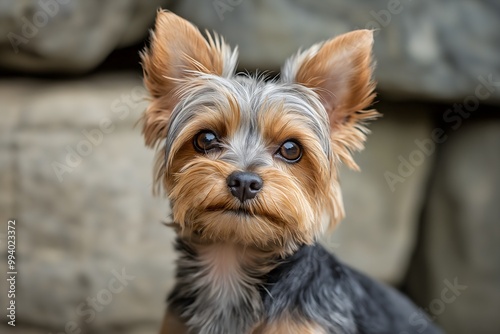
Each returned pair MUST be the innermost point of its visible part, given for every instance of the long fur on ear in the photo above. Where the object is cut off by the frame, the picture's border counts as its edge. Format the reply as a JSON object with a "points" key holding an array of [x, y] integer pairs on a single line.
{"points": [[177, 52], [340, 72]]}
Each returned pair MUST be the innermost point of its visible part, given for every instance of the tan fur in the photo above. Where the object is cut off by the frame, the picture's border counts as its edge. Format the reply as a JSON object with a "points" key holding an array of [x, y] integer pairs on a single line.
{"points": [[172, 324], [200, 197], [200, 193], [224, 121], [168, 63], [289, 325], [316, 176], [341, 73], [240, 257]]}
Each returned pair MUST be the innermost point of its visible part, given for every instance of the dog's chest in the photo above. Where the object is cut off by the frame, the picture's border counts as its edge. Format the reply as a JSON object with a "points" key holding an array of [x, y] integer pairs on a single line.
{"points": [[223, 295]]}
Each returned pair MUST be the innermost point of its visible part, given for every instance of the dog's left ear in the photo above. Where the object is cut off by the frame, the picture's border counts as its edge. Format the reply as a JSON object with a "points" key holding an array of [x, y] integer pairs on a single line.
{"points": [[340, 72]]}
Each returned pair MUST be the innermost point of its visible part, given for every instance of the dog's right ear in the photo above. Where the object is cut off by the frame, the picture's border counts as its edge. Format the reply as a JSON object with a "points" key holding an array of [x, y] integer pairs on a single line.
{"points": [[177, 53]]}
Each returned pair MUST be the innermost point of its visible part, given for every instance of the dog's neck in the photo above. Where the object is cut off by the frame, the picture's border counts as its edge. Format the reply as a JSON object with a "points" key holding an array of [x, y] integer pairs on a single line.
{"points": [[219, 286]]}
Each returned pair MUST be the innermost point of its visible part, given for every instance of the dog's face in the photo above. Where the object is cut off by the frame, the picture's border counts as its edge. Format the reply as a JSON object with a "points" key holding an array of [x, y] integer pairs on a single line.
{"points": [[251, 161]]}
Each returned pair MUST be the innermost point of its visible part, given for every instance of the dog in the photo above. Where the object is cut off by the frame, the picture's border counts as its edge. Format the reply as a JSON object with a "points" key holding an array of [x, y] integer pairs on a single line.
{"points": [[250, 167]]}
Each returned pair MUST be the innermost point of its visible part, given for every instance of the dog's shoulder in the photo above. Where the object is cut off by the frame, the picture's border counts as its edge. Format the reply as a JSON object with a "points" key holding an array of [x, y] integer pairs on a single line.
{"points": [[306, 284], [317, 287]]}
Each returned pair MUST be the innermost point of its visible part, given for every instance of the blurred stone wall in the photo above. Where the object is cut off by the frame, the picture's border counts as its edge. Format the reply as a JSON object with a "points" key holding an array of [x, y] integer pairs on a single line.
{"points": [[76, 176], [69, 36], [93, 254]]}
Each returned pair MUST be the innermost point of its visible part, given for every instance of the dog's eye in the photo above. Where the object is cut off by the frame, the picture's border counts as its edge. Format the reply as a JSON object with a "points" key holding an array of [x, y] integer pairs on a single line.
{"points": [[205, 141], [290, 151]]}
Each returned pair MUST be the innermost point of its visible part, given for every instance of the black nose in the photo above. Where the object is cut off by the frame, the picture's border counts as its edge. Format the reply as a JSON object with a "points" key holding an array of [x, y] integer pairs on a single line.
{"points": [[244, 185]]}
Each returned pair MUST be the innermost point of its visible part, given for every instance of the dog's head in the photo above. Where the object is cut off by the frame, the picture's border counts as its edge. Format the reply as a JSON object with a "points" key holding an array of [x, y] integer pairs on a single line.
{"points": [[249, 160]]}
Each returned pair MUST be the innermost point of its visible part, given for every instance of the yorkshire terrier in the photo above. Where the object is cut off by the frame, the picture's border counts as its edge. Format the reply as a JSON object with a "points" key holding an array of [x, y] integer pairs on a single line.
{"points": [[250, 168]]}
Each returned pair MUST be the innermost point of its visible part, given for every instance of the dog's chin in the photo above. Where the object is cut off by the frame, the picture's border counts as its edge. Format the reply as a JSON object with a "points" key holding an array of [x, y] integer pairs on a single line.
{"points": [[237, 225]]}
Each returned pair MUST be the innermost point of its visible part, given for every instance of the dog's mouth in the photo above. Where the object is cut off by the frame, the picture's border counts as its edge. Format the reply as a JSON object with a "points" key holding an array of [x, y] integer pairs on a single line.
{"points": [[240, 211]]}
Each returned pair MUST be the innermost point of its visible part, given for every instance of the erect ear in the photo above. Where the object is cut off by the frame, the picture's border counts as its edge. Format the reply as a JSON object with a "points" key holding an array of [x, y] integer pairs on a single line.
{"points": [[340, 72], [178, 53]]}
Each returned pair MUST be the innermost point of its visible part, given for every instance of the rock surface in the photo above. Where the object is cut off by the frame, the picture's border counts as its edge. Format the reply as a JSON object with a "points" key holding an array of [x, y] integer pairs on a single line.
{"points": [[459, 246], [47, 36], [79, 227], [424, 49]]}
